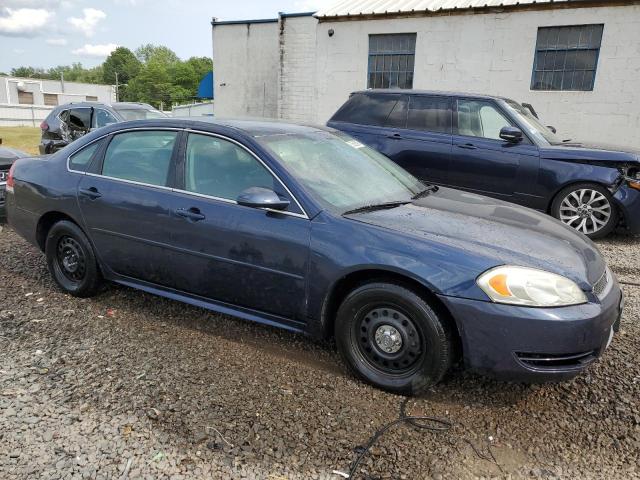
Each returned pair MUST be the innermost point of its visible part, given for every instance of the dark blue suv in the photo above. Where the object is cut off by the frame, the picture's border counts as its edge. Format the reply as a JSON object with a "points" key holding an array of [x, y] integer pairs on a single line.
{"points": [[498, 147]]}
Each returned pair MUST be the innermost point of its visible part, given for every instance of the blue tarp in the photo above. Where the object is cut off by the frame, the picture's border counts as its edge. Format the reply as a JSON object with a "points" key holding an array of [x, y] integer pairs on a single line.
{"points": [[205, 90]]}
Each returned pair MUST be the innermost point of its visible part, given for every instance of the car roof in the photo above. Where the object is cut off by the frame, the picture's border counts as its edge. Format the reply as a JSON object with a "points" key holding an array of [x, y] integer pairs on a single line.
{"points": [[440, 93], [253, 127], [130, 105]]}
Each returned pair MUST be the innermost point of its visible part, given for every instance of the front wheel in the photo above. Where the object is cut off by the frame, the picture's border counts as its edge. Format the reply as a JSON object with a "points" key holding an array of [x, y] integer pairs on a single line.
{"points": [[586, 207], [390, 337], [71, 260]]}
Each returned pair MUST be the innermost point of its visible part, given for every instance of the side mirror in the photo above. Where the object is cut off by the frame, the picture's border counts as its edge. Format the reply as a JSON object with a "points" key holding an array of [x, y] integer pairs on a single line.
{"points": [[511, 134], [552, 128], [258, 197]]}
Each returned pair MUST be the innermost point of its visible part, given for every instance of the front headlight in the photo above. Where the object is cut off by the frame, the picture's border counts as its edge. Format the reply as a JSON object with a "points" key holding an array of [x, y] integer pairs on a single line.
{"points": [[530, 287]]}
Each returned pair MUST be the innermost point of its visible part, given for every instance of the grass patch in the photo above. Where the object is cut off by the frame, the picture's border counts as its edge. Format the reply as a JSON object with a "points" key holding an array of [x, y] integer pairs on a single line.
{"points": [[22, 138]]}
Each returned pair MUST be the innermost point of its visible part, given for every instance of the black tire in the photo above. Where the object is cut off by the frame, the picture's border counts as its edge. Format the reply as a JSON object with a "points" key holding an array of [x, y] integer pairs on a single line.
{"points": [[71, 260], [591, 227], [409, 370]]}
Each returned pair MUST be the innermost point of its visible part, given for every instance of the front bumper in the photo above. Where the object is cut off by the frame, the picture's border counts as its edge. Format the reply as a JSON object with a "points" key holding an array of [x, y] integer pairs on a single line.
{"points": [[628, 201], [534, 344]]}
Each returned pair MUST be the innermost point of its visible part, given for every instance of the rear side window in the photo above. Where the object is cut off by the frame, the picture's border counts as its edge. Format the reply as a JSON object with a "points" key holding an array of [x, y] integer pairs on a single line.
{"points": [[79, 118], [365, 109], [102, 118], [81, 160], [142, 157], [430, 114]]}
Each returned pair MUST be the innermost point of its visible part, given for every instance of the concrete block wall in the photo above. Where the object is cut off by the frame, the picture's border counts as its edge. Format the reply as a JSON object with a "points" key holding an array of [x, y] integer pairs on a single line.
{"points": [[246, 58], [297, 70]]}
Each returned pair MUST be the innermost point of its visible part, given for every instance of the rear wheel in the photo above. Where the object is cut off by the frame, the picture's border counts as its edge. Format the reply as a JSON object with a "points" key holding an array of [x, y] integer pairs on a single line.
{"points": [[390, 337], [586, 207], [71, 260]]}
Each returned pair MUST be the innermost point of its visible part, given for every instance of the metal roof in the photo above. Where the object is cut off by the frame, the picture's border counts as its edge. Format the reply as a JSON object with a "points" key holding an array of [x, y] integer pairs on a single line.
{"points": [[348, 8]]}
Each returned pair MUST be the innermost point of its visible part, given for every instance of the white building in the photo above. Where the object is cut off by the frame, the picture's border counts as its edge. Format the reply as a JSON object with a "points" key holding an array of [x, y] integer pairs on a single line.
{"points": [[27, 101], [576, 61]]}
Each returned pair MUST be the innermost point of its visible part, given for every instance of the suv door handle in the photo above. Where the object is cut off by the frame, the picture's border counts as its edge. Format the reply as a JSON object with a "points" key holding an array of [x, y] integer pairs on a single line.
{"points": [[468, 146], [394, 136], [192, 214], [91, 192]]}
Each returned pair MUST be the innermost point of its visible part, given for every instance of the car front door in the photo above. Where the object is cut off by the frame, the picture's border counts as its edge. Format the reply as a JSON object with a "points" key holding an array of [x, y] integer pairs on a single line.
{"points": [[229, 253], [481, 161], [126, 203]]}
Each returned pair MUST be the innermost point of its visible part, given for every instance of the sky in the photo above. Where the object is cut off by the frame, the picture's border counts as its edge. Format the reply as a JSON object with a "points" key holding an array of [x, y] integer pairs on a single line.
{"points": [[47, 33]]}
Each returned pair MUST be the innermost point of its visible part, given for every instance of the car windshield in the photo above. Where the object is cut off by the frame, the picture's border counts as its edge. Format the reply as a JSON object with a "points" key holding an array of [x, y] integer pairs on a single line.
{"points": [[340, 172], [540, 132], [139, 113]]}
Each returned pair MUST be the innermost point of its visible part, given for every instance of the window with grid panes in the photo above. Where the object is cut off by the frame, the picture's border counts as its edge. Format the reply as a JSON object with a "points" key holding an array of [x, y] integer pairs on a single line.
{"points": [[567, 57], [391, 60]]}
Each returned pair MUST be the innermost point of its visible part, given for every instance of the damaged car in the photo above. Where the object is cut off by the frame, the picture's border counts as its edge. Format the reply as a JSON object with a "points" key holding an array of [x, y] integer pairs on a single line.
{"points": [[308, 229], [68, 122], [498, 147], [7, 157]]}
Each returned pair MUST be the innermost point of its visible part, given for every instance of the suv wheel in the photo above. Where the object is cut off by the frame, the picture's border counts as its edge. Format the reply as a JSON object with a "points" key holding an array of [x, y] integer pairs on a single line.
{"points": [[390, 337], [586, 207], [71, 260]]}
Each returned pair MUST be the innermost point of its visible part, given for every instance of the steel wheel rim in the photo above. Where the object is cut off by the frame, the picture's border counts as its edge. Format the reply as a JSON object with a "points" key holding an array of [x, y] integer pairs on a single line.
{"points": [[71, 259], [585, 210], [388, 340]]}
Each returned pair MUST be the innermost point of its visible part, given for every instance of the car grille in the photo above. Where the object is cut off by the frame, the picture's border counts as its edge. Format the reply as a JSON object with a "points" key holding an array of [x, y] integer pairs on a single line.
{"points": [[3, 175], [601, 285], [554, 361]]}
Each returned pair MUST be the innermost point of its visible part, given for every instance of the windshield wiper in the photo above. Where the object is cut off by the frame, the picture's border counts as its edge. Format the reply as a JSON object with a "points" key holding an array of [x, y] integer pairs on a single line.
{"points": [[427, 191], [378, 206]]}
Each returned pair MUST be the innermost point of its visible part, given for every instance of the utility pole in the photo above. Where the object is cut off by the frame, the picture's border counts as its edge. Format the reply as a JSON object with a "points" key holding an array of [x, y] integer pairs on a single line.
{"points": [[117, 92]]}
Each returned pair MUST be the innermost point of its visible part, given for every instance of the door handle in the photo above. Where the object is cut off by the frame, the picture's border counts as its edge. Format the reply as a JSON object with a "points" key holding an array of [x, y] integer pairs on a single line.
{"points": [[192, 214], [394, 136], [468, 146], [91, 192]]}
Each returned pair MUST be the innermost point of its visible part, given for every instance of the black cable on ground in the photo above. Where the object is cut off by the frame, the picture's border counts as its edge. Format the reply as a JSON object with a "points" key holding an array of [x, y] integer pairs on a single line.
{"points": [[433, 424]]}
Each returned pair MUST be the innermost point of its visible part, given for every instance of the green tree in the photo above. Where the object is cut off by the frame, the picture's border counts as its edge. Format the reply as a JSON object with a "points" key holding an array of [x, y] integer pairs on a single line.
{"points": [[123, 62], [156, 53]]}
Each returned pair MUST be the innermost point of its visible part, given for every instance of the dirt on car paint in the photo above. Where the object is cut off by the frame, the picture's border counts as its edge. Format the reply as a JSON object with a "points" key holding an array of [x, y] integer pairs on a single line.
{"points": [[128, 385]]}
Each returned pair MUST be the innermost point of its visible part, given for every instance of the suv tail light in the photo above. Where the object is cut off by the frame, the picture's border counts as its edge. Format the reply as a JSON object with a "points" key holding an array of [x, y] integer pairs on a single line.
{"points": [[10, 180], [44, 126]]}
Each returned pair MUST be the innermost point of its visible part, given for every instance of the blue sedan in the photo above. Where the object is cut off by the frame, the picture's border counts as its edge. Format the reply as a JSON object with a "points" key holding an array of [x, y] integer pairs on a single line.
{"points": [[310, 230]]}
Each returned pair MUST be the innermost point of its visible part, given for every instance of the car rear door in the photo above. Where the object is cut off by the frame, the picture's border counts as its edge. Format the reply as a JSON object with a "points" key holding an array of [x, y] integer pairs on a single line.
{"points": [[234, 254], [126, 202], [424, 146], [481, 161], [373, 118]]}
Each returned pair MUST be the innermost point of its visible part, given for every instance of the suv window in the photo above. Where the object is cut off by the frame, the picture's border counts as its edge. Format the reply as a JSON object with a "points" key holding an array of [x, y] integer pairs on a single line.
{"points": [[77, 118], [102, 118], [477, 118], [81, 160], [222, 169], [364, 109], [140, 156], [431, 114]]}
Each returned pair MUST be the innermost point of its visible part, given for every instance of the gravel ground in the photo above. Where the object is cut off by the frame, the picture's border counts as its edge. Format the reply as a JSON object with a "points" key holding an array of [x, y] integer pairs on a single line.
{"points": [[128, 385]]}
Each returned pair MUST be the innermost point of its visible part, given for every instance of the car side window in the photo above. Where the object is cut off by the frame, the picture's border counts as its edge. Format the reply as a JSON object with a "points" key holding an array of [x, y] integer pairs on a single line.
{"points": [[81, 160], [478, 118], [220, 168], [364, 109], [140, 156], [430, 114], [102, 118], [79, 119]]}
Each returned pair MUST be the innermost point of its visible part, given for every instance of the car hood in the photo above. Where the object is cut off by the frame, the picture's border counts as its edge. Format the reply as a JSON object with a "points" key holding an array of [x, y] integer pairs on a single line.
{"points": [[595, 152], [505, 233]]}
